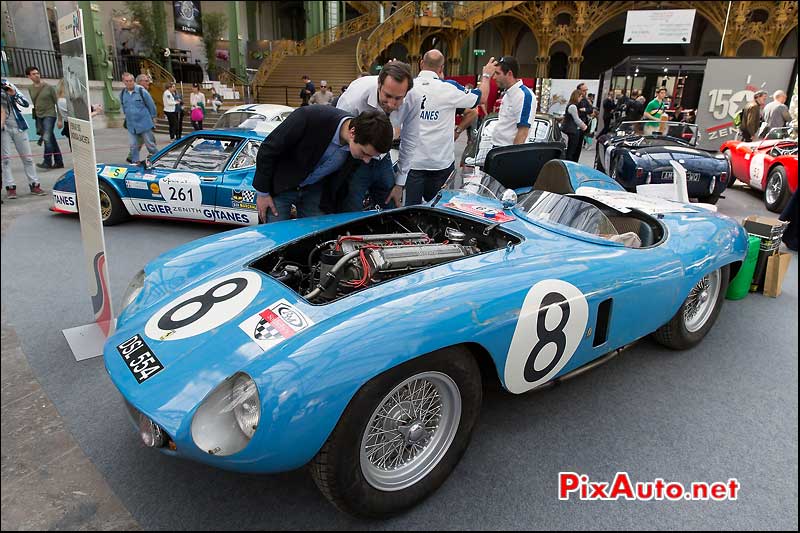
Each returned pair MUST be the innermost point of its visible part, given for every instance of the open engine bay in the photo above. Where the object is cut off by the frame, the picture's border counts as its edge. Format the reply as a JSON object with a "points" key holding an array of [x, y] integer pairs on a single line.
{"points": [[337, 262]]}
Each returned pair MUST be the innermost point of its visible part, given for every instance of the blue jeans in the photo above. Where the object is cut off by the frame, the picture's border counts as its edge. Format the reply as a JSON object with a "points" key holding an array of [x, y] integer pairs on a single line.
{"points": [[135, 140], [424, 184], [305, 199], [51, 150], [375, 177]]}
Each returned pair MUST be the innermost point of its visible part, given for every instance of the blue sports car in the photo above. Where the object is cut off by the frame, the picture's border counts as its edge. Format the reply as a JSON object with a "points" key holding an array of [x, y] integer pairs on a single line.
{"points": [[357, 343], [205, 176]]}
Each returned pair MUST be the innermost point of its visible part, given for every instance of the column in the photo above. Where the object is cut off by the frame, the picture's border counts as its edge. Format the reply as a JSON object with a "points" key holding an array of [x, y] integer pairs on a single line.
{"points": [[542, 66], [233, 37], [574, 71], [96, 47], [453, 66], [160, 24]]}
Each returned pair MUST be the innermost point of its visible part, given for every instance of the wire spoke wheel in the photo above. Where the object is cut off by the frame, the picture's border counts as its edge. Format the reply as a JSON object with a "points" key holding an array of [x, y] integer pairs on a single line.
{"points": [[410, 431], [701, 300], [774, 188], [105, 205]]}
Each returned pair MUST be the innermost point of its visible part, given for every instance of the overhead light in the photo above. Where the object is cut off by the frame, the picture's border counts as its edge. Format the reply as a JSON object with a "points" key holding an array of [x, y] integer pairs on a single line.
{"points": [[665, 69], [627, 77]]}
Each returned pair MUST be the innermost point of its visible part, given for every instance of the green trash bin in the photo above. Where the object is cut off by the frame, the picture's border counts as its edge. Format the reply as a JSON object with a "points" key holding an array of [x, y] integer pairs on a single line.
{"points": [[740, 285]]}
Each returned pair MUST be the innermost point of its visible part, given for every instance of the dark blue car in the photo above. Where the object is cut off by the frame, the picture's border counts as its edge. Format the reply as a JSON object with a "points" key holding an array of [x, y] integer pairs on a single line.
{"points": [[639, 153]]}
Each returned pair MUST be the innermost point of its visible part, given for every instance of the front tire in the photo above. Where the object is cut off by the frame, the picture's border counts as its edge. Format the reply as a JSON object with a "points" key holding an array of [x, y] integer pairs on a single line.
{"points": [[401, 435], [776, 193], [698, 313], [731, 177], [112, 210]]}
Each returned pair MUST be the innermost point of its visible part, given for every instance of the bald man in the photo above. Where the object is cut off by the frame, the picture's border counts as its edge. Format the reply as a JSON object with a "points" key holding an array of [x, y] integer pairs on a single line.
{"points": [[776, 114], [434, 157]]}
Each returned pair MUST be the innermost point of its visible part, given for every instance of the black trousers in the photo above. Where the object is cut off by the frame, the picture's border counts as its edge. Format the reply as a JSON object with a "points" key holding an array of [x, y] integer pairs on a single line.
{"points": [[172, 118], [574, 146]]}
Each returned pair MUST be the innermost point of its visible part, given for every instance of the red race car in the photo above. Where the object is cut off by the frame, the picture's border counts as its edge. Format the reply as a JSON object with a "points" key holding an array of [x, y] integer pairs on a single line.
{"points": [[769, 165]]}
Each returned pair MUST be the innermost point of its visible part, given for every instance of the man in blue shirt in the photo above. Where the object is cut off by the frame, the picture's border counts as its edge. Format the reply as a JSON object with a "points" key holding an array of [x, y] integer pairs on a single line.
{"points": [[303, 161], [139, 110]]}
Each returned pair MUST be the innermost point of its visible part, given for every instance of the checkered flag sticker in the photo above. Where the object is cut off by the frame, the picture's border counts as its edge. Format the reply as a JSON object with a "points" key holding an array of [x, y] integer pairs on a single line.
{"points": [[275, 324], [264, 331], [248, 196]]}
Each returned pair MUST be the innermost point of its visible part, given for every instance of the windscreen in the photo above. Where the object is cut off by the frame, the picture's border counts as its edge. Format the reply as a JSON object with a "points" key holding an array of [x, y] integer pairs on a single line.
{"points": [[566, 211]]}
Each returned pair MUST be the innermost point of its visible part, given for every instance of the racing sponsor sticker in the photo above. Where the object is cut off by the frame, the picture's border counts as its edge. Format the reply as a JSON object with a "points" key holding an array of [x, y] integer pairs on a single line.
{"points": [[141, 360], [243, 199], [274, 324], [205, 307], [65, 201], [154, 188], [479, 210], [181, 189], [550, 327], [133, 184], [113, 172], [149, 176]]}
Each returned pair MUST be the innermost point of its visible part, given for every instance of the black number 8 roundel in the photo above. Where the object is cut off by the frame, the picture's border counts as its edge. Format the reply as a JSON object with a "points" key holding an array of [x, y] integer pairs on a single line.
{"points": [[206, 301], [205, 307], [547, 336]]}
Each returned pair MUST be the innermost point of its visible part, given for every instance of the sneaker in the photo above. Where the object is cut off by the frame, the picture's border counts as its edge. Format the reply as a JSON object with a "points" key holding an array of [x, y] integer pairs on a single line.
{"points": [[11, 193], [128, 159], [44, 166], [37, 190]]}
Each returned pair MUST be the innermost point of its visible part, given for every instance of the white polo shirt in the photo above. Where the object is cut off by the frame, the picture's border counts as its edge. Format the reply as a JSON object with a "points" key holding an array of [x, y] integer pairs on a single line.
{"points": [[437, 117], [517, 109], [362, 95]]}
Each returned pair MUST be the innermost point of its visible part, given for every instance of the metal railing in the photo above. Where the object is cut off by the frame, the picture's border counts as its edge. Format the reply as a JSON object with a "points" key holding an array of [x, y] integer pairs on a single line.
{"points": [[276, 93], [49, 63]]}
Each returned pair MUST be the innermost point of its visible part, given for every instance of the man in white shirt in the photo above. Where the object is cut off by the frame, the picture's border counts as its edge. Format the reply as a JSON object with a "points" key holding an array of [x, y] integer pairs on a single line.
{"points": [[434, 158], [517, 108], [170, 110], [389, 92]]}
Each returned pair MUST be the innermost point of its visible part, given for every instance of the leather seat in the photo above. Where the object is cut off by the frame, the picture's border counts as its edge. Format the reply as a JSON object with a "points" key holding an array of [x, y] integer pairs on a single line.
{"points": [[640, 228]]}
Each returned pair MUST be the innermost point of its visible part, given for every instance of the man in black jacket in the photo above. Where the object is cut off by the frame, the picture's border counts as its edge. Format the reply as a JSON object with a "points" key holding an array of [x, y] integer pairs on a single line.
{"points": [[304, 161]]}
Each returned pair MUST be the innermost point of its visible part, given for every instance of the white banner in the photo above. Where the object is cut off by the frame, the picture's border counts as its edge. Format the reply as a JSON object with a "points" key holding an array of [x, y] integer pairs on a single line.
{"points": [[663, 26], [84, 162]]}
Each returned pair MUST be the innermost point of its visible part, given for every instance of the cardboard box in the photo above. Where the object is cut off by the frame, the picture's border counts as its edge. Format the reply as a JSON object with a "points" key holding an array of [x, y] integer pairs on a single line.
{"points": [[777, 265], [769, 229]]}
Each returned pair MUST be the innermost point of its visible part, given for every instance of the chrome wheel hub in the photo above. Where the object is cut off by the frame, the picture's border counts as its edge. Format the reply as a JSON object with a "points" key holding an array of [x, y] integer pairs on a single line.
{"points": [[410, 431], [700, 302]]}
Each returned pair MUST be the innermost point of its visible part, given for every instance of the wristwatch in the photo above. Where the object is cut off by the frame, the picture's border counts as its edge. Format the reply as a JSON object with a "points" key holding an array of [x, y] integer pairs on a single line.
{"points": [[484, 75]]}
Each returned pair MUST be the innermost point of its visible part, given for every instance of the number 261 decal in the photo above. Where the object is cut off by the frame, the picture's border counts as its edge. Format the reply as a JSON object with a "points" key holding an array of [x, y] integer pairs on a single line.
{"points": [[551, 324]]}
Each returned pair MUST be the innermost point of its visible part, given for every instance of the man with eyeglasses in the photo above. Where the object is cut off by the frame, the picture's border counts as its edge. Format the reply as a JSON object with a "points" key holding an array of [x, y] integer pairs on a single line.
{"points": [[517, 108], [388, 92]]}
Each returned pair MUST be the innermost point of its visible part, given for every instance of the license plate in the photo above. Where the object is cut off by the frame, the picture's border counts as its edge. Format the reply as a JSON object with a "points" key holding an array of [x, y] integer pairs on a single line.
{"points": [[141, 360], [667, 176]]}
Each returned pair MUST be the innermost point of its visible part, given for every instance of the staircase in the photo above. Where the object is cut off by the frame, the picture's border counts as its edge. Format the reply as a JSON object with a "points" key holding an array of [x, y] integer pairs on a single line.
{"points": [[231, 99], [335, 64]]}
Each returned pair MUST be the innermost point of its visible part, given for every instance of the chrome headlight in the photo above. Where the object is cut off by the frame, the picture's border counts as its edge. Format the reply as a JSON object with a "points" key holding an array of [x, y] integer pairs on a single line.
{"points": [[228, 417], [133, 290]]}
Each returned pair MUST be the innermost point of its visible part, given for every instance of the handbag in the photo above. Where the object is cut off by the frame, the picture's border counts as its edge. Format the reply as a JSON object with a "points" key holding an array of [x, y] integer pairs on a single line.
{"points": [[197, 114]]}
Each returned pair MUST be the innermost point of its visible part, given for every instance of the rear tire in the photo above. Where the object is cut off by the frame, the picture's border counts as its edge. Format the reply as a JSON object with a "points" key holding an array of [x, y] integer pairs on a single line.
{"points": [[112, 209], [776, 193], [352, 469], [697, 314]]}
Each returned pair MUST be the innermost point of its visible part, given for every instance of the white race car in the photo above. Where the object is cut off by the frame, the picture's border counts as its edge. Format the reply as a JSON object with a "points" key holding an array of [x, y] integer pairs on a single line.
{"points": [[259, 117]]}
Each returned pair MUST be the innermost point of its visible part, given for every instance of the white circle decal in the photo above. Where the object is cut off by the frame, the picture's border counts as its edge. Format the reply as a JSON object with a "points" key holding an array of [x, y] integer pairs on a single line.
{"points": [[757, 171], [182, 190], [550, 327], [204, 308]]}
